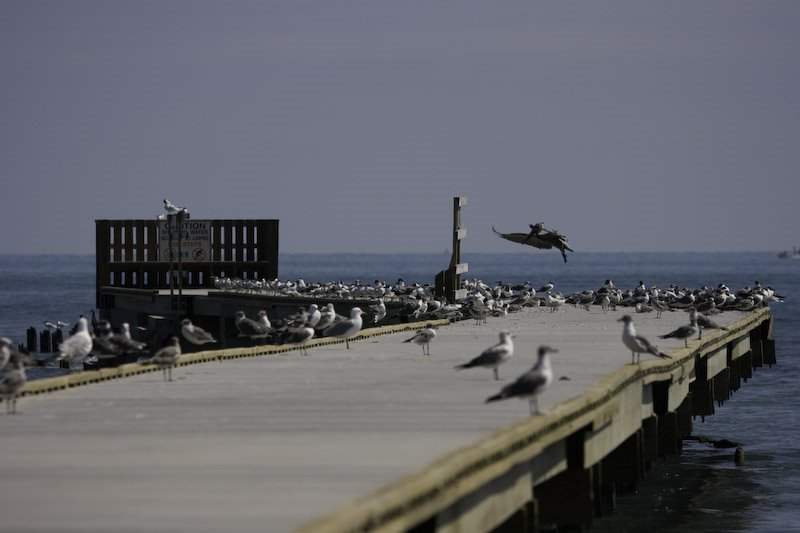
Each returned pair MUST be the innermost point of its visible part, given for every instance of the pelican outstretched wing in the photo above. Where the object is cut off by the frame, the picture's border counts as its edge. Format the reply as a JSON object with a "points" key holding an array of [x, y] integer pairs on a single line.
{"points": [[543, 240], [525, 238]]}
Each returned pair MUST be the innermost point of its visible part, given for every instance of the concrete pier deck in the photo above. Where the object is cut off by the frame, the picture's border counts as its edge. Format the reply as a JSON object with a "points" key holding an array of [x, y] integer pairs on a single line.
{"points": [[284, 442]]}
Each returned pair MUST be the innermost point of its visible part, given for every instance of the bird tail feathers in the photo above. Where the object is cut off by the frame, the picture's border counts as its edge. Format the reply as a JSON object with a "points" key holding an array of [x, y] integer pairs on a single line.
{"points": [[496, 397]]}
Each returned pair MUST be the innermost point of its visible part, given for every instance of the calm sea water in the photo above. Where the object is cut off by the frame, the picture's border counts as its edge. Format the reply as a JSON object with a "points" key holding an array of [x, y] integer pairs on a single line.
{"points": [[701, 490]]}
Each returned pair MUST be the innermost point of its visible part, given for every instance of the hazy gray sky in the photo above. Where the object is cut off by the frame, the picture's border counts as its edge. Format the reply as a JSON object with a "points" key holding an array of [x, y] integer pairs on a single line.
{"points": [[632, 125]]}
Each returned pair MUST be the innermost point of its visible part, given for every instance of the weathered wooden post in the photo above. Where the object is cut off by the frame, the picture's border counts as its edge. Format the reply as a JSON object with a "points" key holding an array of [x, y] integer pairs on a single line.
{"points": [[58, 338], [31, 344], [44, 341], [448, 282]]}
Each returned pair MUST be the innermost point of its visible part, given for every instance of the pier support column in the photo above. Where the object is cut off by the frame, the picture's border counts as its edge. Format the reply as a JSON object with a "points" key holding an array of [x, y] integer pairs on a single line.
{"points": [[756, 350], [721, 388], [702, 398], [649, 440], [735, 375], [568, 498], [624, 466], [523, 521], [669, 440], [684, 414], [746, 366], [768, 343]]}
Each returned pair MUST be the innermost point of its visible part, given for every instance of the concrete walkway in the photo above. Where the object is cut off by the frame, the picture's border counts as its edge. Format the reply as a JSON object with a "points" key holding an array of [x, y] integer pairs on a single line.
{"points": [[269, 443]]}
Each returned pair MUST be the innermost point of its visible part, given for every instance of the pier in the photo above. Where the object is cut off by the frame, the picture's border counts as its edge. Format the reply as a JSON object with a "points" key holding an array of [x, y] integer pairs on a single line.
{"points": [[374, 438]]}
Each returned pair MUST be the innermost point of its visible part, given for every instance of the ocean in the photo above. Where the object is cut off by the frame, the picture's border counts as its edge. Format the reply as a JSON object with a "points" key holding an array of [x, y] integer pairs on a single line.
{"points": [[700, 490]]}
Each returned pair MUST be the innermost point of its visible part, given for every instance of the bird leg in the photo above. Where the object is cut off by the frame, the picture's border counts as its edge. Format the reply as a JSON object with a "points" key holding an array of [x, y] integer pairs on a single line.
{"points": [[496, 374], [533, 403]]}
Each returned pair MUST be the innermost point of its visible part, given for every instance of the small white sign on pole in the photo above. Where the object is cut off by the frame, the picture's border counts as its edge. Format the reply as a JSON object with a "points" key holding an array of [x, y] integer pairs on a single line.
{"points": [[195, 240]]}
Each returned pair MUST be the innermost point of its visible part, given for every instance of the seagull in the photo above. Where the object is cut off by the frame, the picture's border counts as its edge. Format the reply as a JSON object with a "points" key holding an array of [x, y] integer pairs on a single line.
{"points": [[531, 383], [636, 343], [552, 302], [195, 334], [546, 287], [379, 310], [703, 322], [173, 209], [683, 332], [347, 328], [252, 329], [167, 357], [262, 317], [299, 337], [12, 373], [327, 317], [493, 356], [76, 348], [119, 342], [659, 306], [423, 337], [314, 315]]}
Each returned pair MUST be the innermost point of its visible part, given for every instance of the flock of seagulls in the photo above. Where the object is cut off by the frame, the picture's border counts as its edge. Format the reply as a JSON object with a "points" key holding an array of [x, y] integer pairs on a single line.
{"points": [[87, 343]]}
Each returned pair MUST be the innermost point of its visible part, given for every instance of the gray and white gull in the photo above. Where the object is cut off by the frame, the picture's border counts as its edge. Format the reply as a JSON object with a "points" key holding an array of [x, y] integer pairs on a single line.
{"points": [[494, 356], [635, 342], [530, 384]]}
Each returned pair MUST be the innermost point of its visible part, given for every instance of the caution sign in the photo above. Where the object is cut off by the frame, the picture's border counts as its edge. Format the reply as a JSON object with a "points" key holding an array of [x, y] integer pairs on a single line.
{"points": [[192, 241]]}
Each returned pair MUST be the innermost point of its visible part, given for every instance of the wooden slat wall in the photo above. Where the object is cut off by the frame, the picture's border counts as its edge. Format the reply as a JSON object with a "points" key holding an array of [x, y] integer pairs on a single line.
{"points": [[127, 254]]}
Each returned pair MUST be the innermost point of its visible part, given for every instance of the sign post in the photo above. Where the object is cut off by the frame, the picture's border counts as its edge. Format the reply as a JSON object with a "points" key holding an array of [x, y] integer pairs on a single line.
{"points": [[193, 245]]}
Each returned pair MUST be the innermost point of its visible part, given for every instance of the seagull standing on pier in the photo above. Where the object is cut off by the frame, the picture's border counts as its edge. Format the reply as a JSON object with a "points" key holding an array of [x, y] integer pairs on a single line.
{"points": [[327, 317], [423, 337], [195, 334], [166, 358], [12, 373], [683, 332], [530, 384], [703, 322], [264, 319], [636, 343], [249, 328], [299, 337], [378, 310], [76, 348], [346, 328], [494, 356]]}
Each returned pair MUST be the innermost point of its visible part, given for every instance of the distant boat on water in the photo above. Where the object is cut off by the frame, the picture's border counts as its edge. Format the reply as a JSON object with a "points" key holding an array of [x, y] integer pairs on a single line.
{"points": [[793, 254]]}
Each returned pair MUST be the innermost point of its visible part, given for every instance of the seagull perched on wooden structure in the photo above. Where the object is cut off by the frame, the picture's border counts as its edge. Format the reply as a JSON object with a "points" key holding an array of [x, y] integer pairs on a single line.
{"points": [[494, 356], [683, 332], [253, 329], [423, 337], [298, 337], [636, 343], [173, 209], [530, 384], [703, 322], [346, 328], [166, 358], [195, 334], [76, 348]]}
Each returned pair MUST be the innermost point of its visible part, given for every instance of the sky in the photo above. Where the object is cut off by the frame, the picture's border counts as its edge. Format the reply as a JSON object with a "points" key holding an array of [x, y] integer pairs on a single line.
{"points": [[626, 125]]}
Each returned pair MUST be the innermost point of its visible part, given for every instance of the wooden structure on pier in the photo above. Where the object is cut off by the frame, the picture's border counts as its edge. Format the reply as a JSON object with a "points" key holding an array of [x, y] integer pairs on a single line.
{"points": [[130, 254], [448, 282]]}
